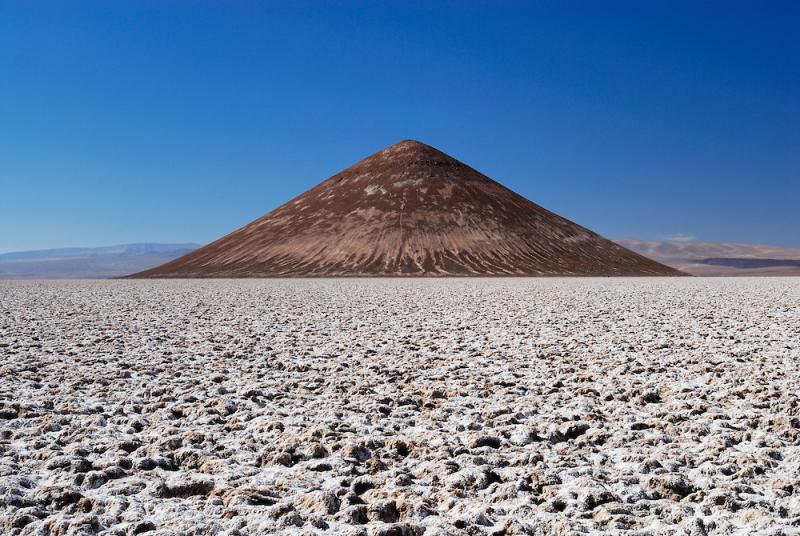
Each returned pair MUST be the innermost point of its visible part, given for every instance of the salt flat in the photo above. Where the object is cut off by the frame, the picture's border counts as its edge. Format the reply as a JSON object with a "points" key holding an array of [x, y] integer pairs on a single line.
{"points": [[460, 406]]}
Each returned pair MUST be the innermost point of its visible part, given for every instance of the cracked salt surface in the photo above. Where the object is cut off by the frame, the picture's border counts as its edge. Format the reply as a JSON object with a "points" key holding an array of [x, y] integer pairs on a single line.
{"points": [[465, 406]]}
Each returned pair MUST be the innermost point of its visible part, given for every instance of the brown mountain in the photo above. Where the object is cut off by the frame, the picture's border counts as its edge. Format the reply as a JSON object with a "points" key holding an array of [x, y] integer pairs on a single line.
{"points": [[410, 210]]}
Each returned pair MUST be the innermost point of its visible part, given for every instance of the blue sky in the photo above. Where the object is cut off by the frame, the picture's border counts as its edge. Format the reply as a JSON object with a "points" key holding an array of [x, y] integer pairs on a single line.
{"points": [[176, 122]]}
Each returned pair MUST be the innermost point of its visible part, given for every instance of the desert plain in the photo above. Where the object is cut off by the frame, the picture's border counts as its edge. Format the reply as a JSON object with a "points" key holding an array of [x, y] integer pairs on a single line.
{"points": [[400, 406]]}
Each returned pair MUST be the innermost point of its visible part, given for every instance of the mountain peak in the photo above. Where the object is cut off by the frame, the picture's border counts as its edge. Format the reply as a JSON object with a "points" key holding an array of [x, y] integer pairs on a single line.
{"points": [[410, 145], [410, 150], [404, 161]]}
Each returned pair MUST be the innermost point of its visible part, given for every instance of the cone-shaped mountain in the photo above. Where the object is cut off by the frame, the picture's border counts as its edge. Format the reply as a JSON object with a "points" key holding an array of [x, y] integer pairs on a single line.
{"points": [[410, 210]]}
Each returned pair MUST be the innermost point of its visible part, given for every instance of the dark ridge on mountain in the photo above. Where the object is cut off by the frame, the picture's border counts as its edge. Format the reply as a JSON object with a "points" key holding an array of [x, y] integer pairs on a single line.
{"points": [[410, 210], [752, 263]]}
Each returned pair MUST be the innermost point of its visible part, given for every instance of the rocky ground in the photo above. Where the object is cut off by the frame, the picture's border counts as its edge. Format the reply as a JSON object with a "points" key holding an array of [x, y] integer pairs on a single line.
{"points": [[400, 407]]}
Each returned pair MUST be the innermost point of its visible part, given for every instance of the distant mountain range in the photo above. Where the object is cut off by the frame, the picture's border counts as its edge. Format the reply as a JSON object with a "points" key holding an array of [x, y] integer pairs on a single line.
{"points": [[89, 263], [719, 258], [697, 258]]}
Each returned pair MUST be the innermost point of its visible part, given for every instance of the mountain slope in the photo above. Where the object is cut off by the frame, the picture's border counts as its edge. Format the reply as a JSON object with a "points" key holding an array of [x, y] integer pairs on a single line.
{"points": [[410, 210]]}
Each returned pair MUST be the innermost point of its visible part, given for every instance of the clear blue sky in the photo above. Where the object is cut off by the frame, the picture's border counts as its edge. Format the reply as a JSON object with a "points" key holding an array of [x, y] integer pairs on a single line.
{"points": [[174, 122]]}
